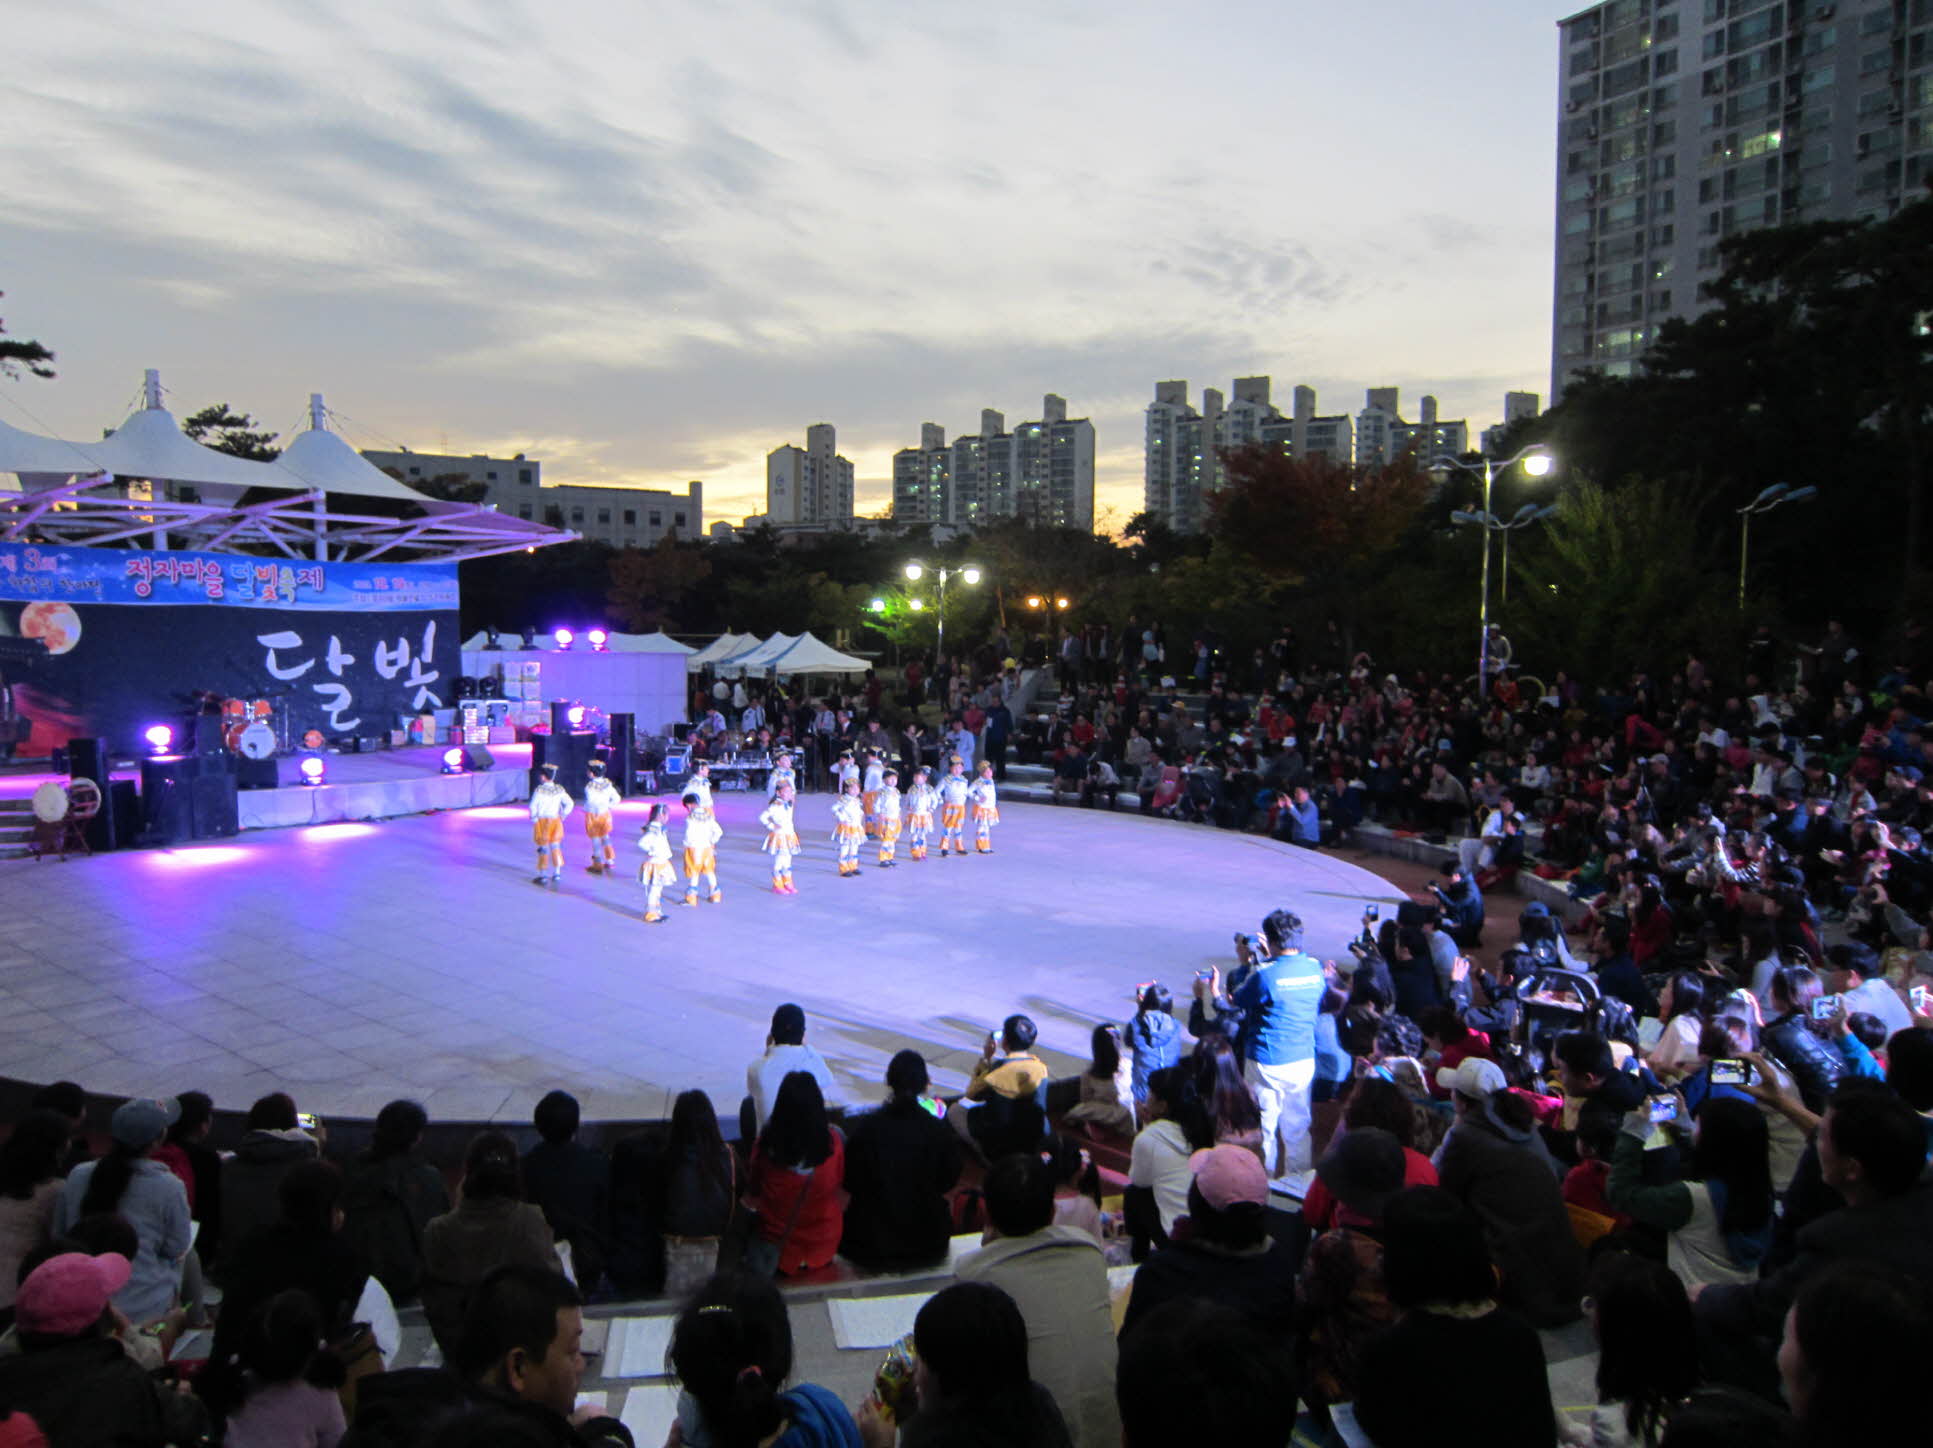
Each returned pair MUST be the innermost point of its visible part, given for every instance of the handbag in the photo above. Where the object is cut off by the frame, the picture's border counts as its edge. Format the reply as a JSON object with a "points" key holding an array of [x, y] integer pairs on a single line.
{"points": [[759, 1256]]}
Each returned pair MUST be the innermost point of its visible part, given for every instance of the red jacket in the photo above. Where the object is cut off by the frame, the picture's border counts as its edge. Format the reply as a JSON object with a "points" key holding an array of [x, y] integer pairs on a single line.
{"points": [[820, 1217], [1322, 1211]]}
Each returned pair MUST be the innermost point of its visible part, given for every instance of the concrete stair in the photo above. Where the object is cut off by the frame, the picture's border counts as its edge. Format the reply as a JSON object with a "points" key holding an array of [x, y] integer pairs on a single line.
{"points": [[16, 828]]}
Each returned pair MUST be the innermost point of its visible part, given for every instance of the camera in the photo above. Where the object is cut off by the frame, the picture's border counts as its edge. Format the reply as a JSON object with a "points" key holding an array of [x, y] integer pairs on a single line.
{"points": [[1730, 1072], [1372, 912]]}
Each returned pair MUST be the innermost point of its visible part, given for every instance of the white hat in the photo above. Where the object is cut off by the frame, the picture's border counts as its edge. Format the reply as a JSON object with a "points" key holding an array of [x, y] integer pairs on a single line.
{"points": [[1475, 1076]]}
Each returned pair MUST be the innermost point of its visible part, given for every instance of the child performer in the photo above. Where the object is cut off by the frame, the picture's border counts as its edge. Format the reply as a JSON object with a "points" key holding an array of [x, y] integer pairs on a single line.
{"points": [[842, 771], [702, 835], [874, 778], [849, 826], [888, 818], [656, 872], [782, 773], [700, 782], [781, 838], [600, 798], [921, 801], [986, 809], [550, 802], [953, 804]]}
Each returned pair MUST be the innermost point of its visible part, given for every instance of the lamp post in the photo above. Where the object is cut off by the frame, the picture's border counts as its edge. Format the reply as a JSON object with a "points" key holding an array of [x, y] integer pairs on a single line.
{"points": [[1525, 516], [1537, 463], [1765, 502], [967, 573]]}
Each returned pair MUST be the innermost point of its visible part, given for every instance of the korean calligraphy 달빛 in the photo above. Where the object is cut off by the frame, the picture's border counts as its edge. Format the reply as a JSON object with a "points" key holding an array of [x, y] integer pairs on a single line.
{"points": [[282, 662]]}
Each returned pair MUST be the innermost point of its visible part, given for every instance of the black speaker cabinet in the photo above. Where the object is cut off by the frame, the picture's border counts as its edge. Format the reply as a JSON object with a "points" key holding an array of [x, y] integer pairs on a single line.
{"points": [[213, 806], [87, 759], [477, 757], [208, 734], [570, 752], [256, 774], [124, 797], [624, 745], [167, 817]]}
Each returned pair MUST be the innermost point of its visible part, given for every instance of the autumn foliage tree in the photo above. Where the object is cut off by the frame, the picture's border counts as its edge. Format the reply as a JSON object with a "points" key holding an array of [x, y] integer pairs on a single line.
{"points": [[648, 584]]}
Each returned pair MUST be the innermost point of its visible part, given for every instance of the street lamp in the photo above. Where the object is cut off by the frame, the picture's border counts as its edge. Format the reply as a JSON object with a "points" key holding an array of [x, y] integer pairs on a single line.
{"points": [[1765, 502], [1538, 462], [968, 573], [1525, 516]]}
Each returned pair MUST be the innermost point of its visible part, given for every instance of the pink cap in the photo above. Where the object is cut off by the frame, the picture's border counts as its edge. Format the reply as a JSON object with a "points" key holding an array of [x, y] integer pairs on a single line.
{"points": [[1230, 1175], [66, 1295]]}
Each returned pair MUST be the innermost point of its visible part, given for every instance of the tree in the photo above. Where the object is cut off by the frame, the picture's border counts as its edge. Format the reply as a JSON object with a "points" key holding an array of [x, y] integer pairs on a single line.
{"points": [[231, 432], [647, 585], [28, 354]]}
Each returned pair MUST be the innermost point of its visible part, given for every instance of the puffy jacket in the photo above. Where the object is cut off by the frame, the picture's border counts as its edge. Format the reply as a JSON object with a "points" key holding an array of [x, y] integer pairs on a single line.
{"points": [[386, 1204], [251, 1180], [1815, 1066]]}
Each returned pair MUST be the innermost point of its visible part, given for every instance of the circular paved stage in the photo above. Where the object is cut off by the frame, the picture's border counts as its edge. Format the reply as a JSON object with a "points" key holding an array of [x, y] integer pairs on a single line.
{"points": [[354, 963]]}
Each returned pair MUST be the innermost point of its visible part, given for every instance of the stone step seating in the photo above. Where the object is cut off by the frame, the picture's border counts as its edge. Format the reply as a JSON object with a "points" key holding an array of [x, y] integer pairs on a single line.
{"points": [[16, 828]]}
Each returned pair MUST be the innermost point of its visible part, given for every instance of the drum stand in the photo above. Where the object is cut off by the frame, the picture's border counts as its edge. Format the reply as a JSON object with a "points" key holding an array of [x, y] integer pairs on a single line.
{"points": [[59, 837]]}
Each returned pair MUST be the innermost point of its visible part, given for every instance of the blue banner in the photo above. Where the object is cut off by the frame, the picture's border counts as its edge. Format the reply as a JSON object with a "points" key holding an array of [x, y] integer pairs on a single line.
{"points": [[44, 574]]}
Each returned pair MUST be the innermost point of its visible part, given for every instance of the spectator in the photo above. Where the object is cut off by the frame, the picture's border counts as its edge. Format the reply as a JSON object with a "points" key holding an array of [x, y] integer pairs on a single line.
{"points": [[1719, 1218], [1344, 1303], [288, 1391], [1456, 1356], [667, 1236], [1153, 1037], [1107, 1085], [1462, 906], [797, 1177], [272, 1142], [1280, 1001], [1681, 1006], [71, 1376], [1058, 1276], [389, 1198], [1723, 1417], [572, 1183], [1001, 1110], [1495, 1165], [1231, 1103], [1797, 1041], [1226, 1253], [1856, 1342], [901, 1161], [1158, 1171], [151, 1198], [1383, 1105], [732, 1353], [785, 1052], [1297, 819], [1647, 1351], [67, 1100], [30, 1185], [1854, 973], [1453, 1042], [491, 1226], [186, 1153], [1413, 974], [1196, 1371], [972, 1381], [1101, 781]]}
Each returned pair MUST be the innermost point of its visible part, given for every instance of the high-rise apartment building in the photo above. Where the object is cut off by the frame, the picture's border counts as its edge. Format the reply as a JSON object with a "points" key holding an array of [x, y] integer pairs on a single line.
{"points": [[810, 484], [1383, 435], [623, 517], [1681, 122], [1516, 407], [1042, 471]]}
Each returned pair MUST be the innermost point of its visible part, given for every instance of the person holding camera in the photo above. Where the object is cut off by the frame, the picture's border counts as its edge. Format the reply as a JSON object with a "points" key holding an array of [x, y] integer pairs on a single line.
{"points": [[1462, 906], [1280, 1001]]}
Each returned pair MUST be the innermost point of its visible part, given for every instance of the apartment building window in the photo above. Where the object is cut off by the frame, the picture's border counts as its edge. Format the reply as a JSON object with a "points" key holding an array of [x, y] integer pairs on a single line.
{"points": [[524, 512], [655, 519], [604, 517], [677, 520], [1821, 37], [630, 517], [1818, 79], [491, 476], [1666, 63], [577, 515], [1877, 22], [1663, 168], [1663, 28], [1874, 60], [524, 477]]}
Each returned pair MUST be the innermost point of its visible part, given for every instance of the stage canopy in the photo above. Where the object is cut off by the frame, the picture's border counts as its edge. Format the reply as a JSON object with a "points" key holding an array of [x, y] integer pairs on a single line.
{"points": [[148, 484]]}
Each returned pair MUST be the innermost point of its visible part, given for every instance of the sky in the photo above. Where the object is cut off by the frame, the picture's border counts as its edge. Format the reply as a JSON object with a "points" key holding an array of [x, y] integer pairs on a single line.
{"points": [[646, 241]]}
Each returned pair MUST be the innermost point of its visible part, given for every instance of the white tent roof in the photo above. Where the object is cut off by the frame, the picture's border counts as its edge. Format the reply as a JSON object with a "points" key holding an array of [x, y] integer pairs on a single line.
{"points": [[658, 642], [811, 656], [320, 458], [720, 648], [756, 659]]}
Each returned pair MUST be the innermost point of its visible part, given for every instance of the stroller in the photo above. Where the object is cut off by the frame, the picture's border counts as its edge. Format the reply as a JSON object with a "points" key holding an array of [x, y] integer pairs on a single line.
{"points": [[1556, 1000]]}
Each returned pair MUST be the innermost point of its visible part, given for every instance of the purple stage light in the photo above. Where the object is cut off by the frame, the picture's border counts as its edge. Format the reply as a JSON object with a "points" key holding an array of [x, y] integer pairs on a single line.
{"points": [[159, 737], [563, 637], [312, 769], [598, 638], [453, 761], [576, 715]]}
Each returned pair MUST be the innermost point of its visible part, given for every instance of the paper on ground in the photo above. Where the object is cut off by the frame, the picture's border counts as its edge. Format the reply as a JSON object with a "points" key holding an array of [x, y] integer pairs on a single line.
{"points": [[649, 1412], [636, 1346], [873, 1321], [376, 1309]]}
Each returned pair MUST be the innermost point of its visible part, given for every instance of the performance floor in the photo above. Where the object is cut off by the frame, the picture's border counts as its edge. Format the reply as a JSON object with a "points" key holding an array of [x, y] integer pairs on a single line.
{"points": [[354, 963]]}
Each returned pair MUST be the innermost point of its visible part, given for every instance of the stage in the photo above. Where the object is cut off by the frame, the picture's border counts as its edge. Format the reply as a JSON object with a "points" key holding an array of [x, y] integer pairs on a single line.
{"points": [[352, 963]]}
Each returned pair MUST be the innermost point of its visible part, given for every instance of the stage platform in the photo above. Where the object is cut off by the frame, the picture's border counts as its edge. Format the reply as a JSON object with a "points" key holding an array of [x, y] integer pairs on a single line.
{"points": [[384, 784], [352, 963]]}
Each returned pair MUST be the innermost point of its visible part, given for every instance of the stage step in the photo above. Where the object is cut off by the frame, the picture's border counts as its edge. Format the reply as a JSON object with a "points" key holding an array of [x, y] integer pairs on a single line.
{"points": [[16, 828]]}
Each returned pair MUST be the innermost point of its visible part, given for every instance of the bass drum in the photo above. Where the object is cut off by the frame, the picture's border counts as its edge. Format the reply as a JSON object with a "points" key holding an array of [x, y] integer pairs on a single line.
{"points": [[257, 740], [50, 802]]}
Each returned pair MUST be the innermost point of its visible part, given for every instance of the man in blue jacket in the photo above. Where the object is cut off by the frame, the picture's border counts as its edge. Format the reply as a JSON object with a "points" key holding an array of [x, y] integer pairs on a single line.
{"points": [[1280, 1001]]}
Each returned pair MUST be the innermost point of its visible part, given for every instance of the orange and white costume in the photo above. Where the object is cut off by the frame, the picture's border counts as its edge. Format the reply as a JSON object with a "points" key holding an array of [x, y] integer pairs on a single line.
{"points": [[656, 872], [873, 779], [921, 801], [781, 843], [848, 831], [600, 798], [986, 812], [702, 835], [888, 822], [550, 803], [953, 806]]}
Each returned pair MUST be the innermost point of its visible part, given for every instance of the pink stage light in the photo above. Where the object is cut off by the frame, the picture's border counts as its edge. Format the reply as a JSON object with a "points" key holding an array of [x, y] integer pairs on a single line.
{"points": [[576, 715], [323, 834], [563, 637], [598, 639], [491, 812], [453, 761], [159, 737], [205, 855], [312, 769]]}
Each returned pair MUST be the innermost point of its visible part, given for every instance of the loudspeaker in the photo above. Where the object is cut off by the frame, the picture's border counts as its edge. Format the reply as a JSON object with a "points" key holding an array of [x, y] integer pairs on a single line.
{"points": [[560, 716], [127, 813], [87, 759], [208, 734], [256, 774], [570, 752], [214, 809], [167, 818], [624, 746], [476, 757]]}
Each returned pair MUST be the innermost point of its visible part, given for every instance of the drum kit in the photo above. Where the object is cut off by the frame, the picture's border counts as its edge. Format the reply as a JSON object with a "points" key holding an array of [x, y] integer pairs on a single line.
{"points": [[62, 809], [249, 727]]}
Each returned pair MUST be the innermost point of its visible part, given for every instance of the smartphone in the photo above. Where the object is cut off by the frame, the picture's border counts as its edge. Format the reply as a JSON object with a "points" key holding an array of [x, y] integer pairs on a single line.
{"points": [[1920, 997], [1825, 1007], [1664, 1107], [1729, 1071], [306, 1120], [1204, 976], [1372, 912]]}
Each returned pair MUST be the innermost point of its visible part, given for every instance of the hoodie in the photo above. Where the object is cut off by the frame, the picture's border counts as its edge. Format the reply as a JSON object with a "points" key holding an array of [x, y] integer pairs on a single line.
{"points": [[251, 1179]]}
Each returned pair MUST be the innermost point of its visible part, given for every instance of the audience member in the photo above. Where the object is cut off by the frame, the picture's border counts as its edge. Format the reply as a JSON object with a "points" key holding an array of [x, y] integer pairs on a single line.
{"points": [[1158, 1171], [491, 1226], [686, 1207], [571, 1182], [1280, 1000], [1196, 1371], [185, 1152], [785, 1052], [732, 1353], [1344, 1304], [1856, 1340], [901, 1161], [1647, 1351], [30, 1185], [1719, 1218], [1226, 1252], [389, 1198], [272, 1141], [1106, 1086], [130, 1182], [1380, 1104], [67, 1100], [1153, 1037], [1001, 1110], [797, 1178], [286, 1390]]}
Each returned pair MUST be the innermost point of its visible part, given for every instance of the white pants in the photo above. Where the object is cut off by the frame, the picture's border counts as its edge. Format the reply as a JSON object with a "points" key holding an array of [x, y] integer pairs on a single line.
{"points": [[1477, 854], [1283, 1094]]}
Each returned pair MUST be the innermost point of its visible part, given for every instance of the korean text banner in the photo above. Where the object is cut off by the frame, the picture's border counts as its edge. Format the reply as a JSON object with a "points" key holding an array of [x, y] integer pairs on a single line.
{"points": [[38, 573]]}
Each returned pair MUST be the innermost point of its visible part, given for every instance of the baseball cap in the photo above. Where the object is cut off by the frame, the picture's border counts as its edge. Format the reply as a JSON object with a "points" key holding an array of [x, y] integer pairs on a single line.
{"points": [[141, 1121], [1363, 1169], [66, 1295], [1474, 1076], [1229, 1176]]}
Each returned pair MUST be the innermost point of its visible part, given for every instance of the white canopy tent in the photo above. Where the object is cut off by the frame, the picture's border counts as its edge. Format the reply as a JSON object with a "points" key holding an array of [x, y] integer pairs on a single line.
{"points": [[810, 655], [720, 649], [755, 660], [658, 642], [92, 493]]}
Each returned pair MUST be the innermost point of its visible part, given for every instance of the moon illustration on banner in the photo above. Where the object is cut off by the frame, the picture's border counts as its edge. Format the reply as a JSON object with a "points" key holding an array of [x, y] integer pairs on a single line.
{"points": [[54, 624]]}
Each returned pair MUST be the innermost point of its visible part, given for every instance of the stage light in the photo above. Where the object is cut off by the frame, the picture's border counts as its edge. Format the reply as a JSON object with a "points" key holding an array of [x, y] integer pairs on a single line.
{"points": [[159, 737], [563, 637], [918, 605], [312, 769], [453, 761], [598, 639], [575, 715]]}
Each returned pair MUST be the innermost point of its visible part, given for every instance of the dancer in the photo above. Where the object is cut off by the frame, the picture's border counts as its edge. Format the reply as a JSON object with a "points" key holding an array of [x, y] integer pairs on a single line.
{"points": [[781, 838], [600, 798], [921, 801], [700, 782], [986, 809], [849, 826], [844, 770], [953, 806], [656, 872], [550, 802], [702, 835], [888, 818], [782, 773], [874, 780]]}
